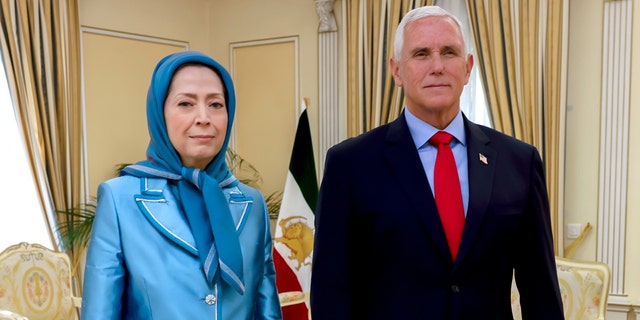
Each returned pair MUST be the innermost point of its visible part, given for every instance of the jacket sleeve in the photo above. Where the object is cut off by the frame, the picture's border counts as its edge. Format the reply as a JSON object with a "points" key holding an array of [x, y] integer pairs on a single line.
{"points": [[535, 271], [268, 302], [104, 269], [331, 286]]}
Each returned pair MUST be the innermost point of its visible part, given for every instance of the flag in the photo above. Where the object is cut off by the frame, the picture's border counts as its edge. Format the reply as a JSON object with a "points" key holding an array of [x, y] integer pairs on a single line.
{"points": [[293, 236]]}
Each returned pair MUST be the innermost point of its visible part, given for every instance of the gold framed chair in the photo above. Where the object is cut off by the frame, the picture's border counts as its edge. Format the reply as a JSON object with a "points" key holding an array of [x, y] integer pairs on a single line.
{"points": [[35, 282], [584, 288], [8, 315], [294, 297]]}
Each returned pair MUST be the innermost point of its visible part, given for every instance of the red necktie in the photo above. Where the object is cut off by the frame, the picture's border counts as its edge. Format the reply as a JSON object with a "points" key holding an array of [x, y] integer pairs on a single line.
{"points": [[447, 191]]}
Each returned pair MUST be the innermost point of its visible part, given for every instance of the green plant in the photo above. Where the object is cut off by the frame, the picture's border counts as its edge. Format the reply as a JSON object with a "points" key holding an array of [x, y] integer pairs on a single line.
{"points": [[249, 175], [75, 230]]}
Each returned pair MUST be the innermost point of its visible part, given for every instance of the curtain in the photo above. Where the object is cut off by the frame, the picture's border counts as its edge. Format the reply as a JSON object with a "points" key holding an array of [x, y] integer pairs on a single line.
{"points": [[41, 53], [518, 45], [372, 97]]}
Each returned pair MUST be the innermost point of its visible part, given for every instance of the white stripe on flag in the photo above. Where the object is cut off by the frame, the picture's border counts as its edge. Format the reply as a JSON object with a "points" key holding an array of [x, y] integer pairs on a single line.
{"points": [[295, 210]]}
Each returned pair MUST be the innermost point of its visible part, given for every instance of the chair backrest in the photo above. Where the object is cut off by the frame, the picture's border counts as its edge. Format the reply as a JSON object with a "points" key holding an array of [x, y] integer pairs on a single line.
{"points": [[35, 282], [8, 315], [584, 288]]}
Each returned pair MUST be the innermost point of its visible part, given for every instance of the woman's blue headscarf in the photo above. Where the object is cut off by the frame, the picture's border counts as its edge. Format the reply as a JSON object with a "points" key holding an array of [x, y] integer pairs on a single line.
{"points": [[200, 192]]}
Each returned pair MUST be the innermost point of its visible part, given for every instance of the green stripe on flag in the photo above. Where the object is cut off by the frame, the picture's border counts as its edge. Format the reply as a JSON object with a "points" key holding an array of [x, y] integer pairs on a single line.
{"points": [[302, 165]]}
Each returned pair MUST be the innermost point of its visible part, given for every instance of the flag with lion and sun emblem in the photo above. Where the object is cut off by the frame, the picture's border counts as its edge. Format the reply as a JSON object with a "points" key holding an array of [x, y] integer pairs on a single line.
{"points": [[293, 236]]}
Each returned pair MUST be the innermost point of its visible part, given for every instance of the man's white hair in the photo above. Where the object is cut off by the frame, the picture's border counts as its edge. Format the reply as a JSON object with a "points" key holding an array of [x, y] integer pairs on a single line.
{"points": [[416, 14]]}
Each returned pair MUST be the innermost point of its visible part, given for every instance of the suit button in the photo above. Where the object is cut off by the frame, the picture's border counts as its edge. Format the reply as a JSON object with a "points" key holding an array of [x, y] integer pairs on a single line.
{"points": [[455, 289], [210, 299]]}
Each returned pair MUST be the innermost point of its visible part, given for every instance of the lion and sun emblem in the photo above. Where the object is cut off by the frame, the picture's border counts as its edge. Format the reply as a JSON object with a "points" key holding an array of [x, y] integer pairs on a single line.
{"points": [[297, 235]]}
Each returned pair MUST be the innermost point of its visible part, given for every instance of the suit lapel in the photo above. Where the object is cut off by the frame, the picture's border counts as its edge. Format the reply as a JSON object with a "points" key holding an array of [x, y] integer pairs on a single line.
{"points": [[405, 164], [481, 168], [160, 208], [239, 205]]}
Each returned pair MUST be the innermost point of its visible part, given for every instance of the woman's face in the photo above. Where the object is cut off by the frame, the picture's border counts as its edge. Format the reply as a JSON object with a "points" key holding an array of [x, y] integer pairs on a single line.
{"points": [[195, 113]]}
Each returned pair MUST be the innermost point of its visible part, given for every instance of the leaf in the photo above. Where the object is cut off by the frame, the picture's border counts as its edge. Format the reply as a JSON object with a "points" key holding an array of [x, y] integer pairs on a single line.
{"points": [[274, 201], [243, 170], [75, 230]]}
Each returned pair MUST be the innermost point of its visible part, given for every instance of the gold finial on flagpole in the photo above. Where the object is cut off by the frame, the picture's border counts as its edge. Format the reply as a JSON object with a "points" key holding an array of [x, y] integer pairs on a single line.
{"points": [[306, 101]]}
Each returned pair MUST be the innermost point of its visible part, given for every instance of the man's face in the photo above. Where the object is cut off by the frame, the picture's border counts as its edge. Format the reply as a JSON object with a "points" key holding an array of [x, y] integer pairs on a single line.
{"points": [[433, 69]]}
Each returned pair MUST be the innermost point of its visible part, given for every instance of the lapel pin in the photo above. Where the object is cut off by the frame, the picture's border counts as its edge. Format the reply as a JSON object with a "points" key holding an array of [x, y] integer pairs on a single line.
{"points": [[483, 159]]}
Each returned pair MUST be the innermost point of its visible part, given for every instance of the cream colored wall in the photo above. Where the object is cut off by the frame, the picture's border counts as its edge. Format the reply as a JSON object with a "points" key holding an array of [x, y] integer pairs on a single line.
{"points": [[210, 26], [583, 135], [583, 120], [242, 21], [245, 21], [183, 20]]}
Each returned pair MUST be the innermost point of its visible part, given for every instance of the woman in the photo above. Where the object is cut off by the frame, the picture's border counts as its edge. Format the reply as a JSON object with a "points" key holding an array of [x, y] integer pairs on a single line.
{"points": [[178, 236]]}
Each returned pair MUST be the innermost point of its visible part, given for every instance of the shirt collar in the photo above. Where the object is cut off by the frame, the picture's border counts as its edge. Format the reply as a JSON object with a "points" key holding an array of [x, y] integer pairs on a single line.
{"points": [[421, 131]]}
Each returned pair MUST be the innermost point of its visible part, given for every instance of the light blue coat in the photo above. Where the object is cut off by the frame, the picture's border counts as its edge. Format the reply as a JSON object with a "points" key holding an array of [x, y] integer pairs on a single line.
{"points": [[142, 260]]}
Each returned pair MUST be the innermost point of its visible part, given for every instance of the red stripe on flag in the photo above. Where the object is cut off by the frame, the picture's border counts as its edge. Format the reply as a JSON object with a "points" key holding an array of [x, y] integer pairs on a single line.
{"points": [[286, 280]]}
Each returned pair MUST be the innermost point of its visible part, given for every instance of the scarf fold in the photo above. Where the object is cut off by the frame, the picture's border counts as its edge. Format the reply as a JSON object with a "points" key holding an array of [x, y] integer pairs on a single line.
{"points": [[222, 253], [200, 191]]}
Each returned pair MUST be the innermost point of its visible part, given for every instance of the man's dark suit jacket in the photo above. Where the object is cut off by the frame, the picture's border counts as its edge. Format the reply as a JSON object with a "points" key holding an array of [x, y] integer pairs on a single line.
{"points": [[380, 249]]}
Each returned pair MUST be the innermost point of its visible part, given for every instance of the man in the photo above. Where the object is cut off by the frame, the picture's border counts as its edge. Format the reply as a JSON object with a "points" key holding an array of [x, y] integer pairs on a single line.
{"points": [[382, 250]]}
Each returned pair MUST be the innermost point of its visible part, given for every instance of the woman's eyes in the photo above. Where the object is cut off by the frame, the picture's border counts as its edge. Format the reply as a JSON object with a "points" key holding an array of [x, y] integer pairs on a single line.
{"points": [[215, 105]]}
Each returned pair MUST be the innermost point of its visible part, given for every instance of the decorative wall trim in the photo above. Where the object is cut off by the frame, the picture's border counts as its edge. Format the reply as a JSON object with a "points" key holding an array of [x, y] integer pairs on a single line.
{"points": [[328, 81], [614, 139], [115, 34], [324, 8], [619, 307], [261, 42], [328, 94], [133, 36]]}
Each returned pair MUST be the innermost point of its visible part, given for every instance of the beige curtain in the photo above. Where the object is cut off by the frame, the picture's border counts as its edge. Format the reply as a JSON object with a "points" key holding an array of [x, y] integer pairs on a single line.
{"points": [[372, 97], [40, 49], [518, 45]]}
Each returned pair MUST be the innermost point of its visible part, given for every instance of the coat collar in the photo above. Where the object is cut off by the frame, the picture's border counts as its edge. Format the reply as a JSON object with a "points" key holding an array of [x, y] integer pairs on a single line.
{"points": [[160, 206]]}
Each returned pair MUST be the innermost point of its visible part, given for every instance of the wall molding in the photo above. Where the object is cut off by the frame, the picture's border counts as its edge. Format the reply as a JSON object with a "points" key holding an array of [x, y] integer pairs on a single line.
{"points": [[328, 81], [261, 42], [118, 35], [132, 36], [614, 140], [619, 307]]}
